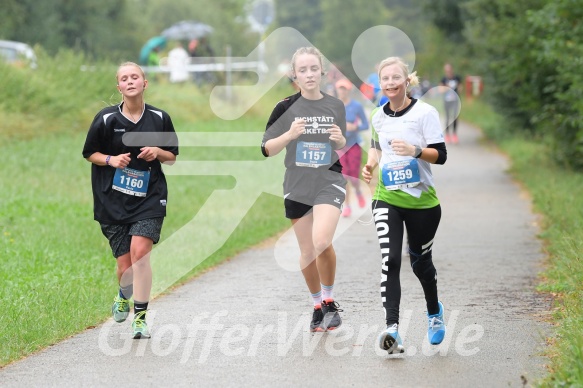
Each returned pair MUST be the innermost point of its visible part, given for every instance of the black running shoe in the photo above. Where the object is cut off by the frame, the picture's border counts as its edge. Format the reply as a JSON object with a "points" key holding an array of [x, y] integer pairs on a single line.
{"points": [[331, 319], [317, 317]]}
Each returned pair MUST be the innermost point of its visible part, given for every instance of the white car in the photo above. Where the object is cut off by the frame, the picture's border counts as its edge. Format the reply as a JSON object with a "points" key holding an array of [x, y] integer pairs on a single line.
{"points": [[17, 53]]}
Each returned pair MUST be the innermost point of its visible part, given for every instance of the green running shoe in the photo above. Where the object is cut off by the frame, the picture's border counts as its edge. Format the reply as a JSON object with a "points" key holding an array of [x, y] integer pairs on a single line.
{"points": [[139, 325], [120, 309]]}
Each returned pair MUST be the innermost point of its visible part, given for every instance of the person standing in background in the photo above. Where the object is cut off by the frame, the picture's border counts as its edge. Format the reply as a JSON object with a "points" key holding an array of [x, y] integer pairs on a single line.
{"points": [[201, 52], [177, 62]]}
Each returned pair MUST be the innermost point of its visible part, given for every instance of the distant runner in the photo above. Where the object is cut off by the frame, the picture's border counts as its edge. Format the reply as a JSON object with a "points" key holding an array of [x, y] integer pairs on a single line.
{"points": [[351, 158]]}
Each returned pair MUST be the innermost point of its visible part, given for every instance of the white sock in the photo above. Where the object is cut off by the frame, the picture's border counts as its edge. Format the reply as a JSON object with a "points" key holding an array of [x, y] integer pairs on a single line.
{"points": [[327, 292], [317, 298]]}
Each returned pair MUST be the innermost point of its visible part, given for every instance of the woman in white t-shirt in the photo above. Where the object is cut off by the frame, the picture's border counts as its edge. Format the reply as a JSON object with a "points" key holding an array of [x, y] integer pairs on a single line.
{"points": [[406, 140]]}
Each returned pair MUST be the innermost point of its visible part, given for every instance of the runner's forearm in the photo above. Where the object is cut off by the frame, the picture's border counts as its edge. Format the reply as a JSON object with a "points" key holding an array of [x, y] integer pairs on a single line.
{"points": [[98, 158], [374, 156], [429, 155], [274, 146], [166, 157]]}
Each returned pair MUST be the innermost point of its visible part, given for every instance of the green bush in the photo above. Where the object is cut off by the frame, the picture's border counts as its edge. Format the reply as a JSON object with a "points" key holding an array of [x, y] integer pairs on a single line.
{"points": [[559, 30], [530, 53], [59, 94]]}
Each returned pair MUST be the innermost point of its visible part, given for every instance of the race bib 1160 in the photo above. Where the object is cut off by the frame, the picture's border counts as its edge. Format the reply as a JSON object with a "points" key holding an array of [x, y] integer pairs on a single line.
{"points": [[131, 182]]}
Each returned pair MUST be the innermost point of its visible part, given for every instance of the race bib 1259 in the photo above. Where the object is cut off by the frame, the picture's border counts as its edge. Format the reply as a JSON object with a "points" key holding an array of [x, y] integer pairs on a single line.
{"points": [[401, 174]]}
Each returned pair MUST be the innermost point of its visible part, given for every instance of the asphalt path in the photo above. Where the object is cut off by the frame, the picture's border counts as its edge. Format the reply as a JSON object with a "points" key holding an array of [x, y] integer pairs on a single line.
{"points": [[245, 323]]}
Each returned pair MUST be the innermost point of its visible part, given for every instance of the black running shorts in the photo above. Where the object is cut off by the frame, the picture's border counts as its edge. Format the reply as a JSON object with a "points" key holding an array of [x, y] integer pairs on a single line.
{"points": [[303, 191], [120, 236]]}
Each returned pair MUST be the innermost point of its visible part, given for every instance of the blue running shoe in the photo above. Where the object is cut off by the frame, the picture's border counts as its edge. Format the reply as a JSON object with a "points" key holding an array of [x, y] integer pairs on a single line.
{"points": [[390, 340], [436, 330]]}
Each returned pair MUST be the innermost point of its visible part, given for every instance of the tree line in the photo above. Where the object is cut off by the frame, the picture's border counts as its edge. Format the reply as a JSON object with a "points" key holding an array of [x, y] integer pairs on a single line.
{"points": [[529, 53], [117, 29]]}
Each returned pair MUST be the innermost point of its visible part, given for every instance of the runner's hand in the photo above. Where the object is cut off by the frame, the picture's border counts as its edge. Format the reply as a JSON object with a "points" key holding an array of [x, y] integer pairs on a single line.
{"points": [[335, 134], [149, 153], [297, 129], [120, 161], [367, 172], [402, 148]]}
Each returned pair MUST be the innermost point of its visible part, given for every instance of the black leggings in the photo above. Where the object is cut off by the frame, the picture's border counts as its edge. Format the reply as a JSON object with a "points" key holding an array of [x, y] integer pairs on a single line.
{"points": [[451, 114], [421, 226]]}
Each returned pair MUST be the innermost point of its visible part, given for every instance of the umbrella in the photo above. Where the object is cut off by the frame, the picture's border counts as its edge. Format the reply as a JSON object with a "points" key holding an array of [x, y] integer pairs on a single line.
{"points": [[155, 42], [187, 30]]}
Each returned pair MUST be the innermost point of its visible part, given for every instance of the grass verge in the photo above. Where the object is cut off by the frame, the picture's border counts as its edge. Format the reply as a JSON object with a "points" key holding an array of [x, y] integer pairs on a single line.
{"points": [[555, 193], [57, 275]]}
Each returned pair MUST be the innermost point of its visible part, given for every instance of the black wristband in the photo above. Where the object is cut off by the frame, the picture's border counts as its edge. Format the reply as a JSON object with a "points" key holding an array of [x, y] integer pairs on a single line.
{"points": [[418, 151]]}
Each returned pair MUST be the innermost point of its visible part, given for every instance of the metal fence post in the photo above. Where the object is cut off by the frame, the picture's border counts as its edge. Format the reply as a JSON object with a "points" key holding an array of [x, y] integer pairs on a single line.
{"points": [[228, 73]]}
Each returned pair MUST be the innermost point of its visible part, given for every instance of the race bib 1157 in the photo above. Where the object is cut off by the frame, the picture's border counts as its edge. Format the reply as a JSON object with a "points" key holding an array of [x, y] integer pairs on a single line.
{"points": [[313, 154]]}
